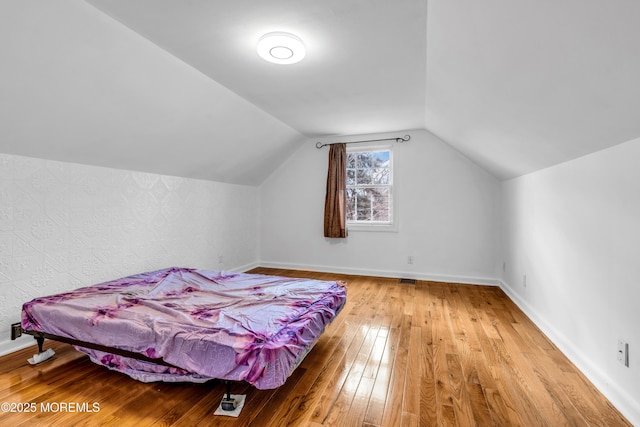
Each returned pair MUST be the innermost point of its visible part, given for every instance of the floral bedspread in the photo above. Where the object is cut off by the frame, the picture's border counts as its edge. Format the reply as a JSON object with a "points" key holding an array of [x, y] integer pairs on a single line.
{"points": [[209, 324]]}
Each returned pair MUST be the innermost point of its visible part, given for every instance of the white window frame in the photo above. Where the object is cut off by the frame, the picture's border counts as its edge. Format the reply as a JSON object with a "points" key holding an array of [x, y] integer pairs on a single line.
{"points": [[391, 226]]}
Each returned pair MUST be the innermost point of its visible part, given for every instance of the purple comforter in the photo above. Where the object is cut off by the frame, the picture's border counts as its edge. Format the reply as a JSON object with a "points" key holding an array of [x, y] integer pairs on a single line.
{"points": [[209, 324]]}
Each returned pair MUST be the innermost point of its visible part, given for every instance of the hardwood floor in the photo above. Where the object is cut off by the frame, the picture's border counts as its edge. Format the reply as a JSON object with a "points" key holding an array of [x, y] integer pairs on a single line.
{"points": [[422, 354]]}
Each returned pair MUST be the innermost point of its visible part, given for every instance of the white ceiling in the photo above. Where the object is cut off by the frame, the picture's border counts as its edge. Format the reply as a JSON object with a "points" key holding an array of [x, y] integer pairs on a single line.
{"points": [[364, 71], [176, 87], [519, 85], [77, 86]]}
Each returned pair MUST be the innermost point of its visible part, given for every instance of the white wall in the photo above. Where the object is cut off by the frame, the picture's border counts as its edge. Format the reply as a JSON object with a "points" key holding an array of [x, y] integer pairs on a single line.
{"points": [[574, 230], [447, 214], [65, 225]]}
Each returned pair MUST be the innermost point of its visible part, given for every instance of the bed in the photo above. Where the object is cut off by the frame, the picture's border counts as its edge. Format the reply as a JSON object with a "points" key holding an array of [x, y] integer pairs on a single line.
{"points": [[182, 324]]}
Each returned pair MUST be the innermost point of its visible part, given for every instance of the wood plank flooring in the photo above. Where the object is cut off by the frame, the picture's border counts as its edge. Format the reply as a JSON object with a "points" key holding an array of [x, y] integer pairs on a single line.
{"points": [[424, 354]]}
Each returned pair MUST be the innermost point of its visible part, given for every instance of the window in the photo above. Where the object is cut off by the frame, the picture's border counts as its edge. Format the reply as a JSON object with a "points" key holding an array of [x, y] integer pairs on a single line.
{"points": [[370, 187]]}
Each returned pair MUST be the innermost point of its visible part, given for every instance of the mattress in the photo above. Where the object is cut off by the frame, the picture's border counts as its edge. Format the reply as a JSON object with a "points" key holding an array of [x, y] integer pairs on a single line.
{"points": [[207, 324]]}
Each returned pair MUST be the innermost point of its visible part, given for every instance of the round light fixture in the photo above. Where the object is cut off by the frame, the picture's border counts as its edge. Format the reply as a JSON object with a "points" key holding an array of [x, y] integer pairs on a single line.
{"points": [[281, 48]]}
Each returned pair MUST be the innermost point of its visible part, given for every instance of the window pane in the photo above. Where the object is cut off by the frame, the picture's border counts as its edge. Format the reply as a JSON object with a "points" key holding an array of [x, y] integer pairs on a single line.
{"points": [[351, 160], [381, 176], [363, 176], [372, 204], [363, 205], [380, 210], [365, 160], [351, 176], [380, 159], [364, 214], [351, 204]]}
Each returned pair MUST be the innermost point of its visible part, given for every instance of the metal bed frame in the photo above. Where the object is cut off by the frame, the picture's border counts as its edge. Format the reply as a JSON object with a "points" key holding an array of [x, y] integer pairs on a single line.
{"points": [[227, 404]]}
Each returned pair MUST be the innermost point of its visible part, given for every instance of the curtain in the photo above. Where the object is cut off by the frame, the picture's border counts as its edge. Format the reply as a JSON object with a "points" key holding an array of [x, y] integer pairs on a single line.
{"points": [[335, 202]]}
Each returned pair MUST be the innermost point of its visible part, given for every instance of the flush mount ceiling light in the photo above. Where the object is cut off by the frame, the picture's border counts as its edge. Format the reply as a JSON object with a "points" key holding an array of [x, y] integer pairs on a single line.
{"points": [[281, 48]]}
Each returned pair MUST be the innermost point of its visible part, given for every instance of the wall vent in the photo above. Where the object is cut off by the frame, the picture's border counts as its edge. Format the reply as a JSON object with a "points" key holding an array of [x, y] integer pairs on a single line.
{"points": [[408, 281]]}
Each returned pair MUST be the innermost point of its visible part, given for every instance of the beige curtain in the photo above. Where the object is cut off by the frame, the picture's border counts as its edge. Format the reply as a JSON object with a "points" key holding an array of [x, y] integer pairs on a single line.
{"points": [[335, 216]]}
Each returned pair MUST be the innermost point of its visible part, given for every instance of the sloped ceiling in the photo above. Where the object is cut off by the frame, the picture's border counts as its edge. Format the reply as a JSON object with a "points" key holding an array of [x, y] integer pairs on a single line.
{"points": [[519, 85], [176, 87], [78, 86]]}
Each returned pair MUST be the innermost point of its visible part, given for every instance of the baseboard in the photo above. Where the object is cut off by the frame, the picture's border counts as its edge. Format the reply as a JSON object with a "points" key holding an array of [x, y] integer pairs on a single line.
{"points": [[245, 267], [9, 346], [625, 403], [383, 273]]}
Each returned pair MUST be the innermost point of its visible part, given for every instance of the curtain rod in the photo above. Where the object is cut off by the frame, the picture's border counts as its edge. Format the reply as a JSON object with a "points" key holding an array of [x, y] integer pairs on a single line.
{"points": [[396, 139]]}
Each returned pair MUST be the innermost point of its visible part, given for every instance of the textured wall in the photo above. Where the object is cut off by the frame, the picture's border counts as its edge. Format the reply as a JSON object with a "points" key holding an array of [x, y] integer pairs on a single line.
{"points": [[66, 225]]}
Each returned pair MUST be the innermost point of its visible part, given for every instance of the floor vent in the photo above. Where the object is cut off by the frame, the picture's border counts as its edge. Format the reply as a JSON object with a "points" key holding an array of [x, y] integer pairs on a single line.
{"points": [[408, 281]]}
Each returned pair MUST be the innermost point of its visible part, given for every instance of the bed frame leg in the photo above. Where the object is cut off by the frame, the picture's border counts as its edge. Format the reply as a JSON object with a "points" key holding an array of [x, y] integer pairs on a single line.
{"points": [[42, 355], [228, 404], [40, 341]]}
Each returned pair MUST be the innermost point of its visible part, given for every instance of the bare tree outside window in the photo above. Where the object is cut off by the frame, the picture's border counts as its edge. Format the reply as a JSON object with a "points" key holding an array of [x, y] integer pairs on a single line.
{"points": [[369, 184]]}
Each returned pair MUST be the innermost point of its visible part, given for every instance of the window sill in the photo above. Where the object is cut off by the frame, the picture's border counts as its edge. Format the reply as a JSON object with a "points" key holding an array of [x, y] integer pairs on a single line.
{"points": [[388, 228]]}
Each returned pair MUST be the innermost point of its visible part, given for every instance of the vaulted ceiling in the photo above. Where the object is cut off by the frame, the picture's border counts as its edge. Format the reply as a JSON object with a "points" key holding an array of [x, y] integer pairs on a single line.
{"points": [[176, 87]]}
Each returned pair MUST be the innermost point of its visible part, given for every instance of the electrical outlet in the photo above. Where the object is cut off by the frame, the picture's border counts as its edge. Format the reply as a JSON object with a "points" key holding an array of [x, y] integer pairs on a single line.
{"points": [[16, 330], [504, 266], [524, 280], [623, 353], [410, 259]]}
